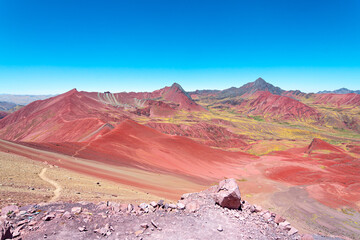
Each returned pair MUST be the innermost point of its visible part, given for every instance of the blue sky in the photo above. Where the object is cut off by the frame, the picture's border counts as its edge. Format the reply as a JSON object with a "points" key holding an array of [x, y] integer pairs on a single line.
{"points": [[53, 46]]}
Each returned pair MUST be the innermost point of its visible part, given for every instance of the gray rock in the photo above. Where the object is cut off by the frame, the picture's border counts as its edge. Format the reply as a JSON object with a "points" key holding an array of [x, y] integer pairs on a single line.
{"points": [[82, 229], [153, 204], [160, 203], [143, 206], [130, 207], [172, 206], [180, 206], [144, 225], [292, 231], [154, 224], [49, 217], [76, 210]]}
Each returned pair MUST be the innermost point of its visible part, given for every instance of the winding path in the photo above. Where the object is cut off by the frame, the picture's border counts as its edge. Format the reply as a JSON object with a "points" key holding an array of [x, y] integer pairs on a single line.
{"points": [[57, 186]]}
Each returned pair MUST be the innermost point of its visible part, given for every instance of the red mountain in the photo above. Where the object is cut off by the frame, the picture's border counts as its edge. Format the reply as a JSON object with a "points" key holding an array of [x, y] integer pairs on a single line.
{"points": [[71, 116], [268, 105], [80, 116], [175, 97]]}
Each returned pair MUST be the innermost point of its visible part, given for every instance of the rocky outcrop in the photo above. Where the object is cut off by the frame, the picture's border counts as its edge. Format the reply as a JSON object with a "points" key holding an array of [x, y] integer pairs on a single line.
{"points": [[211, 214]]}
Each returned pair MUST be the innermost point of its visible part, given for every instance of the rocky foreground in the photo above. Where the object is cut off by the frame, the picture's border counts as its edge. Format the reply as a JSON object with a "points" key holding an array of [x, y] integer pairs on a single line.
{"points": [[216, 213]]}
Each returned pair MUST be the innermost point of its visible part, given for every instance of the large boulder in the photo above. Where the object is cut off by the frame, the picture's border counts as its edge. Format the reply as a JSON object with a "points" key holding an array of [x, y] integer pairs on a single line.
{"points": [[228, 194]]}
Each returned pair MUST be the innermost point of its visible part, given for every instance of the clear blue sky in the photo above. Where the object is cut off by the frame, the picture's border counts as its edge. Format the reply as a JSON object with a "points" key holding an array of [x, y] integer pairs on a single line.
{"points": [[51, 46]]}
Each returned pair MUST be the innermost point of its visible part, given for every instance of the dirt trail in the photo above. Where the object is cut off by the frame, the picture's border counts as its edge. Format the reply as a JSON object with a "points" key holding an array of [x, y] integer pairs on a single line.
{"points": [[57, 186]]}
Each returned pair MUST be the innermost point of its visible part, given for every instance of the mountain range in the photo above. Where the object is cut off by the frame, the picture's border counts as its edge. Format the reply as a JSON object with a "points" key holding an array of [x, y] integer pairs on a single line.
{"points": [[267, 138]]}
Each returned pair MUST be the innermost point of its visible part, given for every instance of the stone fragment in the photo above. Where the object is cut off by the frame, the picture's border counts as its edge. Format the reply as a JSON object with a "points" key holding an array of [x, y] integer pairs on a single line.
{"points": [[267, 216], [66, 215], [160, 203], [154, 224], [16, 232], [153, 204], [82, 229], [172, 206], [228, 194], [76, 210], [255, 208], [279, 219], [144, 225], [130, 207], [285, 225], [32, 223], [151, 208], [143, 206], [49, 217], [138, 232], [180, 206], [292, 231]]}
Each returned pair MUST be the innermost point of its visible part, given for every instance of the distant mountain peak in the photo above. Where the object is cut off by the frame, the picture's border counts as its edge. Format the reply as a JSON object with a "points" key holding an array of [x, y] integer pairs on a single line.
{"points": [[177, 86], [250, 88], [260, 81], [341, 91]]}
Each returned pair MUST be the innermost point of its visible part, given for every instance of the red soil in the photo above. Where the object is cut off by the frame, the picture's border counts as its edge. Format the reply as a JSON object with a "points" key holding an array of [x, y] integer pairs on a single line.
{"points": [[132, 144], [331, 177], [350, 99], [353, 148], [211, 135]]}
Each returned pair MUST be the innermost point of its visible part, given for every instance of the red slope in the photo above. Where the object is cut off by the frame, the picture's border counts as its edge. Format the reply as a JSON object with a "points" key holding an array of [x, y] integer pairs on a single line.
{"points": [[211, 135], [177, 95], [278, 107], [318, 144], [331, 177], [67, 117], [350, 99], [132, 144]]}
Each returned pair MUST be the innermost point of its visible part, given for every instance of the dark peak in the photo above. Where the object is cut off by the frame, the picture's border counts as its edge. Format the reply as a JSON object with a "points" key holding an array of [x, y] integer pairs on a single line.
{"points": [[176, 88], [260, 81], [176, 85]]}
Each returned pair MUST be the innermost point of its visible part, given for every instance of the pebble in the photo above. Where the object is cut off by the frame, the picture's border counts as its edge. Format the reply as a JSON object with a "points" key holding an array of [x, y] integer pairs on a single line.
{"points": [[76, 210]]}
